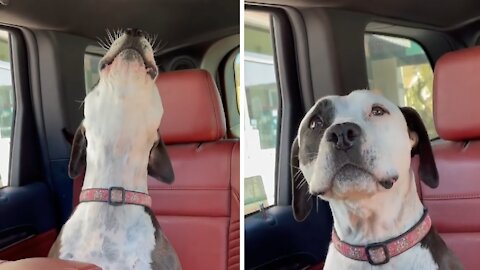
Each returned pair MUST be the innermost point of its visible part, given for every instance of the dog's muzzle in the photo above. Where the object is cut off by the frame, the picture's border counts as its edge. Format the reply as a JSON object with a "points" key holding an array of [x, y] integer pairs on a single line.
{"points": [[131, 49]]}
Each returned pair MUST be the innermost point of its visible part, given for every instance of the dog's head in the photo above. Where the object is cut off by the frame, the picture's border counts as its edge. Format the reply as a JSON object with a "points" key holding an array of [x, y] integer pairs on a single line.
{"points": [[352, 147], [123, 111]]}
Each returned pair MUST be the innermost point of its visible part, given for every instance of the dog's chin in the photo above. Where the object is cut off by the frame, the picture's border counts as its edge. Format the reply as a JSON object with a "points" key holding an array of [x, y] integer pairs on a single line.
{"points": [[132, 60], [351, 182]]}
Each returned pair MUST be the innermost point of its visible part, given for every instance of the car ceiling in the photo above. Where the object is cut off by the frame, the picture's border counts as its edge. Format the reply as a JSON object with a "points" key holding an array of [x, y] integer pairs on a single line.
{"points": [[439, 14], [177, 22]]}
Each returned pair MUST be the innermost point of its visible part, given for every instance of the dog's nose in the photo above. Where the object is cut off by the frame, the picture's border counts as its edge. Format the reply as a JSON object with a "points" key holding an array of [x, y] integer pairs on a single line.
{"points": [[344, 135], [134, 32]]}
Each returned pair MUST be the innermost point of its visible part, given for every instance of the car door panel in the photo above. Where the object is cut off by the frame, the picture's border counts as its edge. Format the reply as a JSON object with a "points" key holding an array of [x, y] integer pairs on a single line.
{"points": [[27, 223], [275, 240]]}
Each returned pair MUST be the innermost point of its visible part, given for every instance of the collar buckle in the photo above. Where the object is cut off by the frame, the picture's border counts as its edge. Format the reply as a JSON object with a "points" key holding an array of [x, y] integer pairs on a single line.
{"points": [[116, 196], [377, 254]]}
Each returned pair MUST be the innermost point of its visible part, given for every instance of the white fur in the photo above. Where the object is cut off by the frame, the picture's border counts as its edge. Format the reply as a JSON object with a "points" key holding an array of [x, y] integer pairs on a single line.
{"points": [[122, 115], [124, 240], [363, 211]]}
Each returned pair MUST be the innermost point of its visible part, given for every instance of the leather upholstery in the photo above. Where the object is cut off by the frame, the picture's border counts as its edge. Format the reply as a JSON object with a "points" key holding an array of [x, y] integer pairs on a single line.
{"points": [[37, 246], [192, 105], [456, 95], [455, 205], [234, 229], [200, 211], [46, 263]]}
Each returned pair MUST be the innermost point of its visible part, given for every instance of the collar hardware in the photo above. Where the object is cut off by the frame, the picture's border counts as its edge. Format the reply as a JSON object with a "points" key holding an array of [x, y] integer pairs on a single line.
{"points": [[116, 196]]}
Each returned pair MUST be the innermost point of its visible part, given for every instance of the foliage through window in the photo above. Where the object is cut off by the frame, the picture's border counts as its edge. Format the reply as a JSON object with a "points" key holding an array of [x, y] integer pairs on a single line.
{"points": [[7, 102], [399, 69], [261, 112]]}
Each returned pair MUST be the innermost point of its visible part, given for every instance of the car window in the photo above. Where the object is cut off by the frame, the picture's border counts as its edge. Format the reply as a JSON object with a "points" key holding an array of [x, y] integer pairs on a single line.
{"points": [[7, 107], [260, 112], [91, 62], [399, 69]]}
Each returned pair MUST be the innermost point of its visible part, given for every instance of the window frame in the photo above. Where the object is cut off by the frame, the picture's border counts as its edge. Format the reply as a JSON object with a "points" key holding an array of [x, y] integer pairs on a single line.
{"points": [[24, 144], [232, 113], [8, 177]]}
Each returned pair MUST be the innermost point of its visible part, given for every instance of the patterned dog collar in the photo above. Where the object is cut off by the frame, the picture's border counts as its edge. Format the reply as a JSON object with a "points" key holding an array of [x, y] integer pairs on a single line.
{"points": [[380, 253], [115, 196]]}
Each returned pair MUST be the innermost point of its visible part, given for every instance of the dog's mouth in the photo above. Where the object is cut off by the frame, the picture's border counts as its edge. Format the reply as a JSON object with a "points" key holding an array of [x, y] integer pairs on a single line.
{"points": [[150, 68], [353, 172]]}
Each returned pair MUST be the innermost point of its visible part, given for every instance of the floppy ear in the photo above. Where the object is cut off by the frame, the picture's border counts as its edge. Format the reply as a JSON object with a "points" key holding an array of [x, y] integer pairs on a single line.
{"points": [[427, 170], [78, 156], [159, 164], [302, 202]]}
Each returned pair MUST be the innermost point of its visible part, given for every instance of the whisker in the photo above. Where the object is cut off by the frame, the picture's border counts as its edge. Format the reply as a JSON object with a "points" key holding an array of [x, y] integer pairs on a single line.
{"points": [[154, 39], [82, 102], [102, 44], [295, 176], [301, 183], [119, 32], [110, 37], [159, 47]]}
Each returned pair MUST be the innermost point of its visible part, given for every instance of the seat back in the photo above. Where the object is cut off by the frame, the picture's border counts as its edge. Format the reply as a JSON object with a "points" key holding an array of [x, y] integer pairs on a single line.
{"points": [[455, 205], [200, 211]]}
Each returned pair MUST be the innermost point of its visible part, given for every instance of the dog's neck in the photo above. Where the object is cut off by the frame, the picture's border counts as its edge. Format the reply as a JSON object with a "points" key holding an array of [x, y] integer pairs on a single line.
{"points": [[111, 165], [381, 217]]}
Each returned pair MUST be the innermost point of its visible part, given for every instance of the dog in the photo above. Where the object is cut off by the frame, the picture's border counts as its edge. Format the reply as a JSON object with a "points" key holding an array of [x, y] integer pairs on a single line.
{"points": [[354, 151], [117, 145]]}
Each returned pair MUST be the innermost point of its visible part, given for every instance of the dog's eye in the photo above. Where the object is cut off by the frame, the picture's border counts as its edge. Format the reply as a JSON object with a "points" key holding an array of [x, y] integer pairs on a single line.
{"points": [[316, 122], [378, 110]]}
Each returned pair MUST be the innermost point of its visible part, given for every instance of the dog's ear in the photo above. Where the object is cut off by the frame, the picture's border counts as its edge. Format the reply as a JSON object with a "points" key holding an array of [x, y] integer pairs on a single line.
{"points": [[159, 164], [427, 170], [302, 202], [78, 156]]}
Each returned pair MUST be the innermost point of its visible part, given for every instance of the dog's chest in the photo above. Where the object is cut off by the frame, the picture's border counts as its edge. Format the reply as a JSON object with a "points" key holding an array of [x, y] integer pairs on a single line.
{"points": [[113, 238], [412, 259]]}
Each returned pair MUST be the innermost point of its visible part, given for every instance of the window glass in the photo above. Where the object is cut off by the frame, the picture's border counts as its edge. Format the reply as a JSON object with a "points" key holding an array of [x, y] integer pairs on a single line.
{"points": [[399, 69], [261, 112], [91, 62], [7, 102]]}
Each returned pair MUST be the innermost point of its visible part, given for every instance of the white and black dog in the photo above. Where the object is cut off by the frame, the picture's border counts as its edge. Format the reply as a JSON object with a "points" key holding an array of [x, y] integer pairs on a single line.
{"points": [[354, 151], [117, 144]]}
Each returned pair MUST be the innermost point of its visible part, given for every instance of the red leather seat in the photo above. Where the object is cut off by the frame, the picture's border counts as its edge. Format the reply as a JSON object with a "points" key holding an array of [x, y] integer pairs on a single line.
{"points": [[455, 205], [200, 211]]}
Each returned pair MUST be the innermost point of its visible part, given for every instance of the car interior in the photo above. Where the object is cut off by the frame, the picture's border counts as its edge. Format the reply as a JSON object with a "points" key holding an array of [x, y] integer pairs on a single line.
{"points": [[418, 54], [49, 56]]}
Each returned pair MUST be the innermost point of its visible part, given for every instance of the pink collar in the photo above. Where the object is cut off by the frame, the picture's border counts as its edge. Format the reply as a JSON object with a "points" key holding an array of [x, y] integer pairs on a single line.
{"points": [[380, 253], [115, 196]]}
